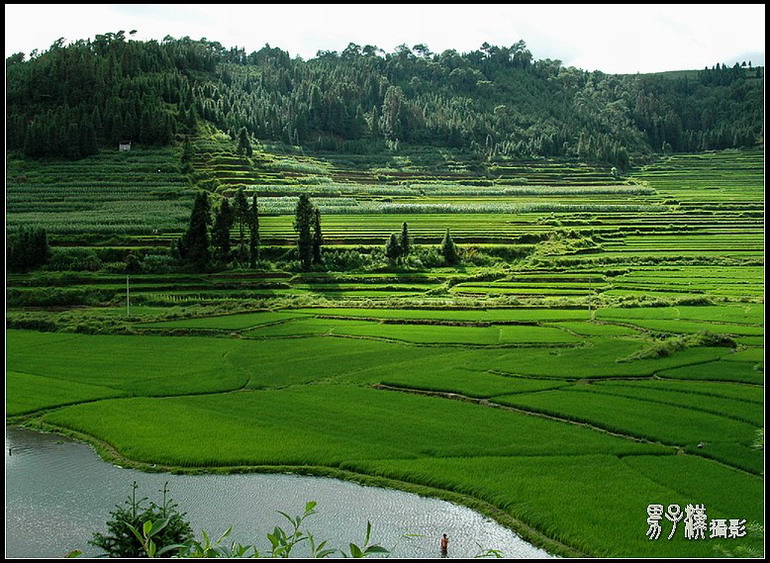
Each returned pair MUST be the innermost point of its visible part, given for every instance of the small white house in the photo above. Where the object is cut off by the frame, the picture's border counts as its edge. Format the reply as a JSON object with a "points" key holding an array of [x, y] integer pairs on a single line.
{"points": [[124, 146]]}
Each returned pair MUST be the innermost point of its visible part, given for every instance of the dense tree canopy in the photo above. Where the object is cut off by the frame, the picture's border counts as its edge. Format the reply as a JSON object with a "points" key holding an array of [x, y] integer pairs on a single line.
{"points": [[304, 218], [71, 99]]}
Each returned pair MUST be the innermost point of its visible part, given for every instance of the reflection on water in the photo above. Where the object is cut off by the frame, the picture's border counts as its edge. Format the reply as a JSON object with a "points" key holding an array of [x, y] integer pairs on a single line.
{"points": [[58, 492]]}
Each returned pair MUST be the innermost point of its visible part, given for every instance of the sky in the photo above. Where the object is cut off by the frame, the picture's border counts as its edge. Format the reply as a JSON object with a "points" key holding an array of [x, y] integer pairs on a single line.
{"points": [[612, 38]]}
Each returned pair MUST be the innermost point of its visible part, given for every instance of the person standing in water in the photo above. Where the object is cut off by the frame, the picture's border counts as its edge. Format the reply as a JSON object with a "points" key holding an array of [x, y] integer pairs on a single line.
{"points": [[444, 545]]}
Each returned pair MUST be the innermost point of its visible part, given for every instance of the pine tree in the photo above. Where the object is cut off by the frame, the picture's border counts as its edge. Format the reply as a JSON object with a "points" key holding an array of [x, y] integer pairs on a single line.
{"points": [[404, 241], [27, 249], [194, 244], [317, 238], [449, 250], [241, 212], [220, 235], [244, 145], [392, 248], [254, 232], [303, 221]]}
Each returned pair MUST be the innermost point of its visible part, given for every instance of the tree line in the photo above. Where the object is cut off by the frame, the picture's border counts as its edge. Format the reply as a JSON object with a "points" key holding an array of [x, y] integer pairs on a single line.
{"points": [[494, 101], [27, 248], [207, 244]]}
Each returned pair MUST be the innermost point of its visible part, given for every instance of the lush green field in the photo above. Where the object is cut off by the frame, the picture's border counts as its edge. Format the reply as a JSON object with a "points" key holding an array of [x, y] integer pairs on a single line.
{"points": [[599, 348]]}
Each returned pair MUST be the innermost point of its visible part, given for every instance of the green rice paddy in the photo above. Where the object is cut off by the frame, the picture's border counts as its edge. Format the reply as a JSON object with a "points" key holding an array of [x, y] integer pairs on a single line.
{"points": [[560, 383]]}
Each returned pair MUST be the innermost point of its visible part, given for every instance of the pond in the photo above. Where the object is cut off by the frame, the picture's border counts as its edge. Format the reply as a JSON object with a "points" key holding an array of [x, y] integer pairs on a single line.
{"points": [[58, 492]]}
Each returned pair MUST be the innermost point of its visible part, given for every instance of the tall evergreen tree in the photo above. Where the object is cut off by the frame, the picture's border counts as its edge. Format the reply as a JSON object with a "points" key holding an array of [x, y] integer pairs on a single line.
{"points": [[404, 241], [449, 250], [241, 212], [194, 244], [220, 234], [317, 237], [392, 248], [303, 222], [254, 232], [26, 249], [244, 145]]}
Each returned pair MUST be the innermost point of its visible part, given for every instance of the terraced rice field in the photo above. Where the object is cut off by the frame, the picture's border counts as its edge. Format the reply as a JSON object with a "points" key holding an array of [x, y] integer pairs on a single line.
{"points": [[350, 370], [614, 360], [141, 192]]}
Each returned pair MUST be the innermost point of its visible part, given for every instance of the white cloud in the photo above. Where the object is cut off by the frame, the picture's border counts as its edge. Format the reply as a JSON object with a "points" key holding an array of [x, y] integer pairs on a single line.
{"points": [[612, 38]]}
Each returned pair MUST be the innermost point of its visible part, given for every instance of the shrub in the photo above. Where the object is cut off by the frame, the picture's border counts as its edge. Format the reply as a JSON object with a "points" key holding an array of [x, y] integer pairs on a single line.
{"points": [[75, 260], [120, 541]]}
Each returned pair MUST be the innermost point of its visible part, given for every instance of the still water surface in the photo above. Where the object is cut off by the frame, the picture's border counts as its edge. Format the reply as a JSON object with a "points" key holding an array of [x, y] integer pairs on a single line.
{"points": [[58, 492]]}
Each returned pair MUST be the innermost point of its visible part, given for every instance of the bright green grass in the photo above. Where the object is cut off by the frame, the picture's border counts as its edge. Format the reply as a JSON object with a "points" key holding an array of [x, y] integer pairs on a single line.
{"points": [[306, 326], [439, 374], [484, 315], [750, 413], [597, 329], [597, 358], [27, 393], [742, 456], [750, 393], [292, 361], [720, 370], [667, 423], [748, 355], [141, 365], [595, 503], [521, 289], [227, 322], [750, 340], [689, 327], [746, 314], [154, 365], [721, 501], [323, 424], [424, 334]]}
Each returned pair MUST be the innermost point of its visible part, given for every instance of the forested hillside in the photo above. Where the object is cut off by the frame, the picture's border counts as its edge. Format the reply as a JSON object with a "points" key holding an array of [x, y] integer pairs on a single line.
{"points": [[496, 101]]}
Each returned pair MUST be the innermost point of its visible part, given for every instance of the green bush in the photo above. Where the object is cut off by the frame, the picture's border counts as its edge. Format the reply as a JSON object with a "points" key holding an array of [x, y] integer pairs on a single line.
{"points": [[121, 541], [75, 260]]}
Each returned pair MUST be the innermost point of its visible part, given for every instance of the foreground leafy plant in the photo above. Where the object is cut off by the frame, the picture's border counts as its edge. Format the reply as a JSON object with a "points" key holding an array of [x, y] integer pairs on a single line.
{"points": [[162, 531], [166, 525]]}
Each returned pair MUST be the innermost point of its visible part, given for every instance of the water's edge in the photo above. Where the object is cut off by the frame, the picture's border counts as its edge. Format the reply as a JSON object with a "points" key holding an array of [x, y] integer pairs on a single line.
{"points": [[111, 456]]}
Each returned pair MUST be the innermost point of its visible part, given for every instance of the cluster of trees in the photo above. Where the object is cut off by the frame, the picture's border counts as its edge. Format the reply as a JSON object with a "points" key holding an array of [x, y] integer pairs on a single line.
{"points": [[714, 109], [27, 248], [494, 101], [207, 243], [202, 248], [398, 247]]}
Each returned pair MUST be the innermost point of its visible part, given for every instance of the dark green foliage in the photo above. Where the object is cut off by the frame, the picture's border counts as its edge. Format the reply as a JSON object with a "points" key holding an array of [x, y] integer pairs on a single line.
{"points": [[317, 238], [392, 248], [120, 541], [449, 250], [254, 232], [304, 218], [133, 264], [194, 245], [220, 234], [492, 102], [241, 213], [26, 249], [244, 145], [404, 241]]}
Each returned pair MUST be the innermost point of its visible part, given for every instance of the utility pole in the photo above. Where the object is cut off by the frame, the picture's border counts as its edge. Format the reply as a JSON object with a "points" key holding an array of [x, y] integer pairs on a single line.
{"points": [[128, 299]]}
